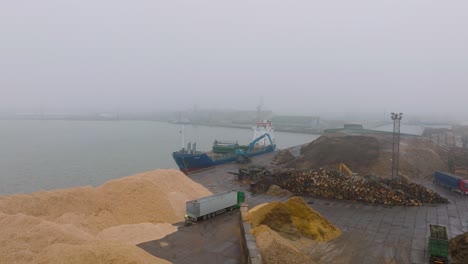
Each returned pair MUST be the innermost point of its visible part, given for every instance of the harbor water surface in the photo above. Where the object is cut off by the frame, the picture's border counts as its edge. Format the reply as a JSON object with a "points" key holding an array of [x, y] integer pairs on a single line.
{"points": [[49, 154]]}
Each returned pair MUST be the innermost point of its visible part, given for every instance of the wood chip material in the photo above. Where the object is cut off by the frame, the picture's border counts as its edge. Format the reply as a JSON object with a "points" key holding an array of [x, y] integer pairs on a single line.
{"points": [[95, 225]]}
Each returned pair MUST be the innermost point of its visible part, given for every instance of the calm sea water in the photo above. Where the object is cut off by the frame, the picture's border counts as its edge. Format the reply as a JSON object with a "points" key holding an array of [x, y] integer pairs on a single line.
{"points": [[43, 155]]}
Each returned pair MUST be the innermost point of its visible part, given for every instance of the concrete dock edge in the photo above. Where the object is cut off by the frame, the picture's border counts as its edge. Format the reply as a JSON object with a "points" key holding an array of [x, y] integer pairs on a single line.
{"points": [[248, 243]]}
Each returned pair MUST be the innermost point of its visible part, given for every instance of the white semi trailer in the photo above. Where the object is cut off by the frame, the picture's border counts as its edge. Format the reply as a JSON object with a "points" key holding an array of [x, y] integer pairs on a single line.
{"points": [[209, 206]]}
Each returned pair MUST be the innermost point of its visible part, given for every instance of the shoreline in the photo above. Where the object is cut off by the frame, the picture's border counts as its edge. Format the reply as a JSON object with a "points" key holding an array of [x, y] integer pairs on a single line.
{"points": [[296, 131]]}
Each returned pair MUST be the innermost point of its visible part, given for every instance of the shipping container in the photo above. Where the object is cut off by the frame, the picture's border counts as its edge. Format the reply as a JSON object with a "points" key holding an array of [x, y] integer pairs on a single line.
{"points": [[209, 206]]}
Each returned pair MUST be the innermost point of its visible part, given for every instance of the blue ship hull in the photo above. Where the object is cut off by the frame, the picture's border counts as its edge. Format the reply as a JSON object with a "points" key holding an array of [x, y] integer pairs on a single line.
{"points": [[193, 162]]}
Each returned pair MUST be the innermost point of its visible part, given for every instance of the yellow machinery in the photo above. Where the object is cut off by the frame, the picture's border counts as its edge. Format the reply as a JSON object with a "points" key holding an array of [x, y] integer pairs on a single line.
{"points": [[344, 167]]}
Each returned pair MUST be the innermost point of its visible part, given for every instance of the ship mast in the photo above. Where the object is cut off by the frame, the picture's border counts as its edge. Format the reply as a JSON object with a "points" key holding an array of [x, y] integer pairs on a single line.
{"points": [[182, 132]]}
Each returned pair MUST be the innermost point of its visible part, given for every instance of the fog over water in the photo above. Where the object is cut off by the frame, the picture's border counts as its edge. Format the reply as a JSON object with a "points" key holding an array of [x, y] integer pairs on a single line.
{"points": [[42, 155], [300, 56]]}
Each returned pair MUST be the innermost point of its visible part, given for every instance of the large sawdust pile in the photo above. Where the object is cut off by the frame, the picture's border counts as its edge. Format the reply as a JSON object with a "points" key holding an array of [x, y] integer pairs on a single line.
{"points": [[294, 219], [95, 225], [96, 253], [459, 249], [279, 227], [156, 196], [137, 233], [371, 155]]}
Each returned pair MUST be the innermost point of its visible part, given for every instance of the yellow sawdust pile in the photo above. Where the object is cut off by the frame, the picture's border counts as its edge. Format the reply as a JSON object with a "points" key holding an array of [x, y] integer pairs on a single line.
{"points": [[279, 228], [276, 249], [294, 219], [95, 225]]}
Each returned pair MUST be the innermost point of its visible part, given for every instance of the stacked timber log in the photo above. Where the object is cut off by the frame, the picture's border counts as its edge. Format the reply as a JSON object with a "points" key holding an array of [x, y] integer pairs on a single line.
{"points": [[333, 185]]}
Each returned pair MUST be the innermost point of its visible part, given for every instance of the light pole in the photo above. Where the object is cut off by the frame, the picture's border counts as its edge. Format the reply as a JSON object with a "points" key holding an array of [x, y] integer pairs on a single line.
{"points": [[396, 144]]}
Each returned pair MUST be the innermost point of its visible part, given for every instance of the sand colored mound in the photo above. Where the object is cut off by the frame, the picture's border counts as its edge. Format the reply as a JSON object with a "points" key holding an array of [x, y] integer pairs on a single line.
{"points": [[96, 253], [137, 233], [371, 155], [28, 239], [22, 237], [294, 219], [95, 225], [276, 249], [156, 196]]}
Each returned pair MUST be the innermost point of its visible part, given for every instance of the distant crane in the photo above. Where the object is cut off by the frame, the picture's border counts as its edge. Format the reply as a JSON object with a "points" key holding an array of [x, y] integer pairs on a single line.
{"points": [[342, 167]]}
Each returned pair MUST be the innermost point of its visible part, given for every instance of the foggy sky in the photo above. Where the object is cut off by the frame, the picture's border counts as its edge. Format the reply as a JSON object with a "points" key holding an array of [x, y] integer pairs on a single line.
{"points": [[300, 56]]}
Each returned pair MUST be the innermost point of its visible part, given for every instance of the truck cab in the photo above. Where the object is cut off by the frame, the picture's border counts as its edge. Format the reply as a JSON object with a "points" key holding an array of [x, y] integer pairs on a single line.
{"points": [[464, 186]]}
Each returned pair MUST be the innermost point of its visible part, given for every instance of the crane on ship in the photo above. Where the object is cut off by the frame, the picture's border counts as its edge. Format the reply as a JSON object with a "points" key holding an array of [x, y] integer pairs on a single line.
{"points": [[242, 154]]}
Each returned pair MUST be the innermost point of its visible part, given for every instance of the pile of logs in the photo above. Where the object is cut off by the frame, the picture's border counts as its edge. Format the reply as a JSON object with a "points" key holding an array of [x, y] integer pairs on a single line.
{"points": [[331, 185]]}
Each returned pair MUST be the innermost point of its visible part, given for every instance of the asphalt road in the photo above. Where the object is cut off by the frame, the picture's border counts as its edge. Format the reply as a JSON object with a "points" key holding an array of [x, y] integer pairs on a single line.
{"points": [[216, 240]]}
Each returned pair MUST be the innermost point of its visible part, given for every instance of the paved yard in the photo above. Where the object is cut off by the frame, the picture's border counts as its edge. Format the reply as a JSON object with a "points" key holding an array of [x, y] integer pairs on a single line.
{"points": [[372, 233]]}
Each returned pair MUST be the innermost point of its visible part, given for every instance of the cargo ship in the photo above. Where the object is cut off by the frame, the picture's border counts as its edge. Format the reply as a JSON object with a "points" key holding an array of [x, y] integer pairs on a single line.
{"points": [[189, 160]]}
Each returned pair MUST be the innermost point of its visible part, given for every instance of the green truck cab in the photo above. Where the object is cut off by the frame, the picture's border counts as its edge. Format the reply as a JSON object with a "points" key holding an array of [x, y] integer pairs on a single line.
{"points": [[438, 244]]}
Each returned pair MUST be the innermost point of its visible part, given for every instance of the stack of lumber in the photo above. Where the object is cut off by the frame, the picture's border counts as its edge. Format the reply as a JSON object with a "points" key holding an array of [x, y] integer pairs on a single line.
{"points": [[331, 185]]}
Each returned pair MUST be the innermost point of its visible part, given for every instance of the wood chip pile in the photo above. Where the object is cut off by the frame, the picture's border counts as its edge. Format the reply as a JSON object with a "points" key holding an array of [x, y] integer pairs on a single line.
{"points": [[281, 229], [459, 249], [331, 185], [95, 224], [282, 157]]}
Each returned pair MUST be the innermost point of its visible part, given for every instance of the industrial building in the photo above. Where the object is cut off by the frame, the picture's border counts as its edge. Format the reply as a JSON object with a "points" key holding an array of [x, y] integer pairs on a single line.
{"points": [[296, 122]]}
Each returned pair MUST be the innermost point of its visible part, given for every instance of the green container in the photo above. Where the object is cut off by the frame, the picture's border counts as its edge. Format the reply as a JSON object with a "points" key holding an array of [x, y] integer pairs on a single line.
{"points": [[438, 248], [438, 242], [240, 197]]}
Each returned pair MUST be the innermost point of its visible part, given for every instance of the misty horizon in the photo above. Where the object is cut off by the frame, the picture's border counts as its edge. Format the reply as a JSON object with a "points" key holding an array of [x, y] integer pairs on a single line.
{"points": [[306, 57]]}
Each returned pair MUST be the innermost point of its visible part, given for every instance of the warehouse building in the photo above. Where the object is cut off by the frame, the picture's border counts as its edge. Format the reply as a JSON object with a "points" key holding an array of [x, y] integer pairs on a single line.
{"points": [[296, 122]]}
